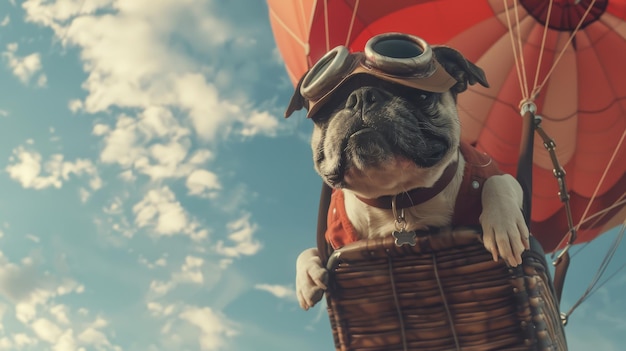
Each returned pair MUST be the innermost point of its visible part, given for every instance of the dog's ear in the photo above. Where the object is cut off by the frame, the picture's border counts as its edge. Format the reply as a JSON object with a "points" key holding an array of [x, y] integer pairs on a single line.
{"points": [[297, 102], [464, 71]]}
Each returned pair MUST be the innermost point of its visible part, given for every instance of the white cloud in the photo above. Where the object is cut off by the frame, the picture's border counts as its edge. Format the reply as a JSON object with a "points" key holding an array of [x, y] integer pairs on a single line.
{"points": [[4, 113], [5, 343], [160, 288], [155, 145], [203, 183], [132, 62], [19, 282], [42, 80], [66, 342], [46, 330], [33, 238], [92, 336], [214, 329], [241, 237], [280, 291], [22, 340], [120, 144], [45, 12], [84, 195], [29, 291], [75, 105], [28, 168], [160, 262], [34, 299], [165, 216], [5, 21], [60, 313], [159, 310], [260, 123], [24, 67], [191, 272]]}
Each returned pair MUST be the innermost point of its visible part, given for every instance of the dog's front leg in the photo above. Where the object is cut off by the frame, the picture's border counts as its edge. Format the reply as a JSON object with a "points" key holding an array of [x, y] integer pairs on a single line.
{"points": [[311, 278], [505, 233]]}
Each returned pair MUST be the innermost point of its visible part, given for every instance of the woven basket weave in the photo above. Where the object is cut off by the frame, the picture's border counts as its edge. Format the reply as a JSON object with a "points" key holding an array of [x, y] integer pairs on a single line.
{"points": [[445, 293]]}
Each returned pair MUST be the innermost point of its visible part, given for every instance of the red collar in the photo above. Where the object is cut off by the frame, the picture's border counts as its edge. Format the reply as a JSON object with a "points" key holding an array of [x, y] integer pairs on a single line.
{"points": [[415, 196]]}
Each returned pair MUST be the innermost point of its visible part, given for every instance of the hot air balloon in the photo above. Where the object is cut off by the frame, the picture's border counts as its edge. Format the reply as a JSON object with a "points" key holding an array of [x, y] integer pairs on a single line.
{"points": [[557, 63], [566, 56]]}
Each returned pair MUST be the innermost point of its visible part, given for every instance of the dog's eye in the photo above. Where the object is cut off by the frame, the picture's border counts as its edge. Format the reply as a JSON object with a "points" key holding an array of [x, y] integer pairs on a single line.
{"points": [[426, 96]]}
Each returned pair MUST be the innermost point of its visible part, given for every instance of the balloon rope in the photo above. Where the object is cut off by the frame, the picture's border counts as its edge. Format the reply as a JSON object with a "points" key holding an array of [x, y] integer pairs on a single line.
{"points": [[287, 29], [601, 270], [543, 45], [326, 25], [354, 11], [516, 56], [569, 40], [606, 169], [598, 215], [620, 201]]}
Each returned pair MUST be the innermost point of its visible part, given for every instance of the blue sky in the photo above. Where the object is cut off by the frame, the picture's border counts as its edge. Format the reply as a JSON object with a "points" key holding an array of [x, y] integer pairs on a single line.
{"points": [[152, 197]]}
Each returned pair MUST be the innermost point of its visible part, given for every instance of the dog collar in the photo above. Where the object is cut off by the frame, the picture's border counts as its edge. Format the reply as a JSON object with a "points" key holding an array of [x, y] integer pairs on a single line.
{"points": [[415, 196]]}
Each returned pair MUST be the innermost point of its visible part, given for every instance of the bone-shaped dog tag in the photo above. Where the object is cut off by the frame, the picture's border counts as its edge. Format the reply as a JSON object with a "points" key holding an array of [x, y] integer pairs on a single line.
{"points": [[403, 237]]}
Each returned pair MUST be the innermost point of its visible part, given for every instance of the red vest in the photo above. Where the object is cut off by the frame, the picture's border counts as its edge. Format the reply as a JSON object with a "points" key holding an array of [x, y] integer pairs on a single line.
{"points": [[478, 167]]}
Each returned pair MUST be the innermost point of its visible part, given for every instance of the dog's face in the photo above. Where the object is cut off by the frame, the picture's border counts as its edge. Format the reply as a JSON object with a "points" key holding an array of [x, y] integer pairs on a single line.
{"points": [[377, 138]]}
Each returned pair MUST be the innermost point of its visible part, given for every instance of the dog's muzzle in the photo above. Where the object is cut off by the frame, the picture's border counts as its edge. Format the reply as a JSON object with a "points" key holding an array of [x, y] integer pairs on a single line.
{"points": [[395, 57]]}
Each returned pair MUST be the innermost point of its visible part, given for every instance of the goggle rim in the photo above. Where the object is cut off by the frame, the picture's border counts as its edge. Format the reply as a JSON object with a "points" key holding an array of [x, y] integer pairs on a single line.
{"points": [[425, 73]]}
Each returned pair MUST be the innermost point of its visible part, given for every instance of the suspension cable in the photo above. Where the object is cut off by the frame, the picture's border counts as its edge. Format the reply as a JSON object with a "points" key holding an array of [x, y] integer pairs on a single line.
{"points": [[538, 88], [606, 170], [521, 73], [592, 288], [326, 25], [354, 11], [543, 45]]}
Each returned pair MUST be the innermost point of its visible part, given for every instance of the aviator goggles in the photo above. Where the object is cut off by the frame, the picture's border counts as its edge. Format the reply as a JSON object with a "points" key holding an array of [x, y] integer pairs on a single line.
{"points": [[394, 57]]}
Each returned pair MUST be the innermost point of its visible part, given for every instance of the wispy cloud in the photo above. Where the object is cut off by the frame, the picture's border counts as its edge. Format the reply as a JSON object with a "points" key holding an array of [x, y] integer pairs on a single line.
{"points": [[165, 83], [260, 123], [4, 113], [203, 183], [213, 329], [241, 241], [24, 67], [191, 272], [165, 216], [28, 168], [131, 62], [5, 21], [35, 304], [280, 291]]}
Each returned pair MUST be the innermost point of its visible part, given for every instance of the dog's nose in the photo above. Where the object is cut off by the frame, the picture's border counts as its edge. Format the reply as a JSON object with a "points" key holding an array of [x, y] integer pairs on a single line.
{"points": [[365, 98]]}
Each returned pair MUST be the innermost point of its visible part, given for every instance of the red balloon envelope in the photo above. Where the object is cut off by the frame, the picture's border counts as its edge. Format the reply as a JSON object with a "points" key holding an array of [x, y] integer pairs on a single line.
{"points": [[582, 102]]}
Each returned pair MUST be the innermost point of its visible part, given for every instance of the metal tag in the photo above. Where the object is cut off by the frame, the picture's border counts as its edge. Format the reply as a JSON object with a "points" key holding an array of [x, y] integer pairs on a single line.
{"points": [[403, 237]]}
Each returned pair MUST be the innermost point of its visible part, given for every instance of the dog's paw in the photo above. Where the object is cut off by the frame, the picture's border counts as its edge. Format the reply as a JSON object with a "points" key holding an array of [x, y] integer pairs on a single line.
{"points": [[505, 233], [311, 278]]}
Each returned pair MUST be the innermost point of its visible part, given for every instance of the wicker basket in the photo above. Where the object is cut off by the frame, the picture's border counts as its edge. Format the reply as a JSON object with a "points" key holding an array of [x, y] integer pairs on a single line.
{"points": [[445, 293]]}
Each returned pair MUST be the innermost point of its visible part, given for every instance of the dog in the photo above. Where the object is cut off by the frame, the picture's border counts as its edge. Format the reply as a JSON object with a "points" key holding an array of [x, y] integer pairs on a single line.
{"points": [[376, 139]]}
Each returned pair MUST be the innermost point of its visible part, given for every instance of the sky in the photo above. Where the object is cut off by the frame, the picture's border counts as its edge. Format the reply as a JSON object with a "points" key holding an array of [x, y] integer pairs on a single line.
{"points": [[153, 197]]}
